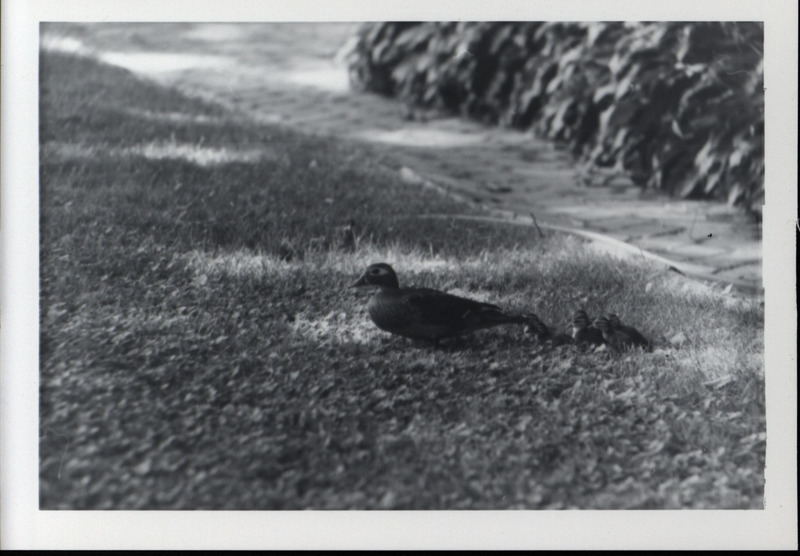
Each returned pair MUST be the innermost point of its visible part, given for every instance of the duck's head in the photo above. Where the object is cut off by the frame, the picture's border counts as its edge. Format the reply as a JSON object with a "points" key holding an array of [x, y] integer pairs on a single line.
{"points": [[602, 324], [378, 274], [614, 321]]}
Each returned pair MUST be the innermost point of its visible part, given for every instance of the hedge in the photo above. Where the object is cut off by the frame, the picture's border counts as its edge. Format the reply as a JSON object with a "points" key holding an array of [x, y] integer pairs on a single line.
{"points": [[677, 106]]}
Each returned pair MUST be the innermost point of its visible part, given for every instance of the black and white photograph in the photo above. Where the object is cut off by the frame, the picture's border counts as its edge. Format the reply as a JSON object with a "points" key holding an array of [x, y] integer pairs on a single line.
{"points": [[508, 263]]}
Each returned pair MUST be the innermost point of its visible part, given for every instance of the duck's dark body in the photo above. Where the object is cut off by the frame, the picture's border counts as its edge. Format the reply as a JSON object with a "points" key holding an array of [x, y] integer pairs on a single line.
{"points": [[625, 337], [432, 315], [620, 338], [426, 314], [582, 330], [543, 333], [630, 332], [588, 335]]}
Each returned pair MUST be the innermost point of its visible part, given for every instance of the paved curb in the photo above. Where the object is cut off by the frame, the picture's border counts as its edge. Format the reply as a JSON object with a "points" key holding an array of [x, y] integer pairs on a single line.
{"points": [[695, 271]]}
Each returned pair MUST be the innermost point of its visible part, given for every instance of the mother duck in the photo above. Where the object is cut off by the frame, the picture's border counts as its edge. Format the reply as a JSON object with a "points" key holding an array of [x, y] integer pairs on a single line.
{"points": [[425, 314]]}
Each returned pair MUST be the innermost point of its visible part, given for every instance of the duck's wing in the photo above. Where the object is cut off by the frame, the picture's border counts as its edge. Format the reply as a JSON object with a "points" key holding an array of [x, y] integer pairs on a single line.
{"points": [[439, 308]]}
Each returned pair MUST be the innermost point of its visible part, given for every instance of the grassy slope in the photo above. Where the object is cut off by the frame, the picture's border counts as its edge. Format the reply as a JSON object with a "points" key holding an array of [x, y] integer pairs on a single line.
{"points": [[199, 348]]}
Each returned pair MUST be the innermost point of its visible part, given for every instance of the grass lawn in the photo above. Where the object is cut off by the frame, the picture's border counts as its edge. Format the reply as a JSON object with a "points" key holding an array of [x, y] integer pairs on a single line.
{"points": [[200, 348]]}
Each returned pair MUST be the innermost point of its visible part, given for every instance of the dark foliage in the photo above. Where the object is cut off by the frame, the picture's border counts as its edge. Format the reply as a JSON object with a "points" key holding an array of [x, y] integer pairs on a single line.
{"points": [[677, 106]]}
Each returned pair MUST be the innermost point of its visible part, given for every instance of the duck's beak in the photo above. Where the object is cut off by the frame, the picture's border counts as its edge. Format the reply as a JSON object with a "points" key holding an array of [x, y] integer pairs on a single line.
{"points": [[359, 283]]}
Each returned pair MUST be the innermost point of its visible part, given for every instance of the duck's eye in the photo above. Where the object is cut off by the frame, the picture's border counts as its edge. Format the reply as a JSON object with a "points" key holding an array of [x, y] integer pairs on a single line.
{"points": [[375, 271]]}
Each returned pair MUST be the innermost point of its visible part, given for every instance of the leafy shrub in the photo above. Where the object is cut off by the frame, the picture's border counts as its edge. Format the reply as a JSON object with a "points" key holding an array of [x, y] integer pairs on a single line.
{"points": [[677, 106]]}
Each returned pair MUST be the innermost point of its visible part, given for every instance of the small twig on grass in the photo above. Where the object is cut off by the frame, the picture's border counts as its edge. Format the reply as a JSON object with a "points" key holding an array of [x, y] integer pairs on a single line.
{"points": [[538, 229]]}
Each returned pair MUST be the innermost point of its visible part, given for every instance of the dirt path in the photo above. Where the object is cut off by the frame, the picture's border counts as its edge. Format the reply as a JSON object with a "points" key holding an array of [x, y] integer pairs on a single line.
{"points": [[287, 74]]}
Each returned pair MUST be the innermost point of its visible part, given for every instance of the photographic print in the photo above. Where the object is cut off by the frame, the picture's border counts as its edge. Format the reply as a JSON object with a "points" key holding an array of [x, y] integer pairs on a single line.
{"points": [[401, 265], [406, 276]]}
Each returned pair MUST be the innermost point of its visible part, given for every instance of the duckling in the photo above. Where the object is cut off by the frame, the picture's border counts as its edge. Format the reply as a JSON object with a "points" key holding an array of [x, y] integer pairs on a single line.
{"points": [[426, 314], [543, 333], [582, 330], [618, 338], [616, 324]]}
